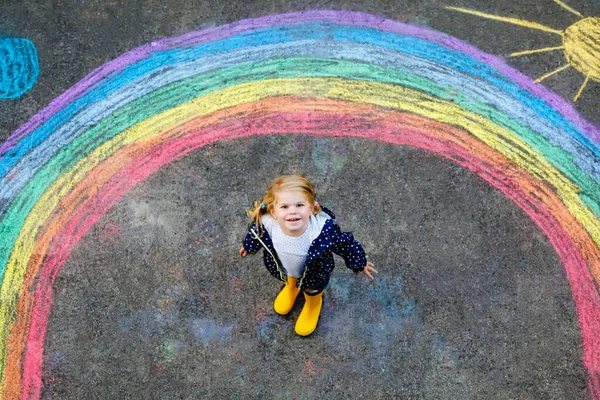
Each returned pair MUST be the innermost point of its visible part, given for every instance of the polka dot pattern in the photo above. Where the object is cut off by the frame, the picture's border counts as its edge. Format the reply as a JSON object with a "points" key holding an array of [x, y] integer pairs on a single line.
{"points": [[291, 250], [319, 261]]}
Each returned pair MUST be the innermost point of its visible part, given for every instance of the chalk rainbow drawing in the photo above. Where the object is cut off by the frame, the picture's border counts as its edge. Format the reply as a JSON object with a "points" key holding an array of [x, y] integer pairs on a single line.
{"points": [[580, 43], [329, 73], [19, 68]]}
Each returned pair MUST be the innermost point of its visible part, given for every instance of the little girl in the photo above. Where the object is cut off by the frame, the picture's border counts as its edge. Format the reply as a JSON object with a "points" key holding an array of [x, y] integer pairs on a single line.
{"points": [[298, 237]]}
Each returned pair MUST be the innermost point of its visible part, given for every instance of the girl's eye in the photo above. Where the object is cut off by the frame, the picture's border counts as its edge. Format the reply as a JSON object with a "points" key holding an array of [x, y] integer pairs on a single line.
{"points": [[299, 205], [284, 207]]}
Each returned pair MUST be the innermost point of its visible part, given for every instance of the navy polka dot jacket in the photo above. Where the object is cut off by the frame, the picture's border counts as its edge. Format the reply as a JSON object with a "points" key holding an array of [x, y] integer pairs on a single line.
{"points": [[319, 262]]}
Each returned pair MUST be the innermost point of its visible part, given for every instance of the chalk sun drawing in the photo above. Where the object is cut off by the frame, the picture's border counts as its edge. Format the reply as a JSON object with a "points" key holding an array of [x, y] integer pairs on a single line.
{"points": [[580, 43], [323, 73]]}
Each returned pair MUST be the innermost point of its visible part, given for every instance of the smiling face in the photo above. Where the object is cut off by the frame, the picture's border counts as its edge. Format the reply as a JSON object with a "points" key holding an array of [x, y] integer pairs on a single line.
{"points": [[292, 212]]}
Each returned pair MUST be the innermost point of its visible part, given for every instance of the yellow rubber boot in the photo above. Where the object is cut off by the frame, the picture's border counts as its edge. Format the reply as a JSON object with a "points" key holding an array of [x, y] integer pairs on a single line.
{"points": [[309, 316], [284, 302]]}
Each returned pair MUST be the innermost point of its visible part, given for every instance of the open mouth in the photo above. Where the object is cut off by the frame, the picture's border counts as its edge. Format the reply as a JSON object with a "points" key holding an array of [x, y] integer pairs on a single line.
{"points": [[293, 219]]}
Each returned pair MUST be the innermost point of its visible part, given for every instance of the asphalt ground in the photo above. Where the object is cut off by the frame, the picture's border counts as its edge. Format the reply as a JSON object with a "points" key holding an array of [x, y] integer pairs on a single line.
{"points": [[469, 301]]}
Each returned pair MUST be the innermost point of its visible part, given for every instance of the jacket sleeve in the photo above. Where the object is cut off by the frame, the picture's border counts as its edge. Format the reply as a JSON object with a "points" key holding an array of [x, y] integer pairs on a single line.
{"points": [[350, 250], [251, 245]]}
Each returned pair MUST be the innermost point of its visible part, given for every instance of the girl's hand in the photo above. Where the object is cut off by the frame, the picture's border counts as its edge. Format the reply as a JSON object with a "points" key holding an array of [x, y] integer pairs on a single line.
{"points": [[368, 269], [243, 252]]}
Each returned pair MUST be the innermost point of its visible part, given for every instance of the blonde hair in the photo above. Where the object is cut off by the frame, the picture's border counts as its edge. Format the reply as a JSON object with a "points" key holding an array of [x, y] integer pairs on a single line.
{"points": [[284, 183]]}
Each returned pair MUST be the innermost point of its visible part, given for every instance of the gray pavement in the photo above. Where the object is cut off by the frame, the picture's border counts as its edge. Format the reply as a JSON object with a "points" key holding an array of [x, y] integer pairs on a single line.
{"points": [[470, 301]]}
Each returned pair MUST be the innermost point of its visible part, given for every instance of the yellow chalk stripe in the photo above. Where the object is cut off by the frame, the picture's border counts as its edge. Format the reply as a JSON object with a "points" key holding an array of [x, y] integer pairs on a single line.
{"points": [[585, 82], [380, 94], [566, 7], [545, 49], [514, 21], [549, 74]]}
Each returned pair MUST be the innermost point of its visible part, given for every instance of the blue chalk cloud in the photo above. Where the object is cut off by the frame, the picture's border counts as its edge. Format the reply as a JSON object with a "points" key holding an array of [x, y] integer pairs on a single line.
{"points": [[19, 68]]}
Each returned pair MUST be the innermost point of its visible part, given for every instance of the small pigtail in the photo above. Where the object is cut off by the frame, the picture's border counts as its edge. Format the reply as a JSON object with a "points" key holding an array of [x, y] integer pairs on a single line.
{"points": [[316, 208], [255, 215]]}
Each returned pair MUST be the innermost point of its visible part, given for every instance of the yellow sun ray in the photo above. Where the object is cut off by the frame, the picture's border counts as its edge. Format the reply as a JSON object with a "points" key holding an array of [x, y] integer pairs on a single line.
{"points": [[566, 7], [587, 78], [549, 74], [515, 21], [522, 53], [580, 43]]}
